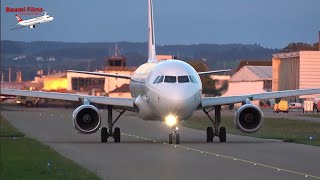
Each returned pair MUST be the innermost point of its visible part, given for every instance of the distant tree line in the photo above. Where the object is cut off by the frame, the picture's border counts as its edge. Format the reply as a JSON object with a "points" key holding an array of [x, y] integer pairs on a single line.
{"points": [[300, 46], [83, 55]]}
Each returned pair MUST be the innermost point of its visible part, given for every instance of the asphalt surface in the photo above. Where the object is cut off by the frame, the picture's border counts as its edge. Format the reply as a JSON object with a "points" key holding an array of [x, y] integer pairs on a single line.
{"points": [[145, 154]]}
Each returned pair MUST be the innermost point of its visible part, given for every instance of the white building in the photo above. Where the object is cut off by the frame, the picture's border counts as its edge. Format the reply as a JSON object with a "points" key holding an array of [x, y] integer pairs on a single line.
{"points": [[249, 80]]}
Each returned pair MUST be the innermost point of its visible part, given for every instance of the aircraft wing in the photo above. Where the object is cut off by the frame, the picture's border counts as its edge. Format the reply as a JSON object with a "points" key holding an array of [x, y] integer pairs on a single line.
{"points": [[212, 72], [18, 27], [126, 103], [214, 101], [102, 74]]}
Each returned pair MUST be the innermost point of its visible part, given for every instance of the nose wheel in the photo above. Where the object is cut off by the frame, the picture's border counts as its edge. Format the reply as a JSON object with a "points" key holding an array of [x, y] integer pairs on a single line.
{"points": [[174, 136]]}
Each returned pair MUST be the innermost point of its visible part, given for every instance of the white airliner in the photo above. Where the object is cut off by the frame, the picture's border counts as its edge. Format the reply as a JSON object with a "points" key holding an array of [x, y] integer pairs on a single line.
{"points": [[167, 90], [31, 23]]}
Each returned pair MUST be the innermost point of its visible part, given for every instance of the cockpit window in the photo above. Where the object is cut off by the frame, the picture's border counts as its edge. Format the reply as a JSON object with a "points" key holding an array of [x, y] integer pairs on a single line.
{"points": [[183, 79], [174, 79], [193, 79], [155, 81], [170, 79], [160, 80]]}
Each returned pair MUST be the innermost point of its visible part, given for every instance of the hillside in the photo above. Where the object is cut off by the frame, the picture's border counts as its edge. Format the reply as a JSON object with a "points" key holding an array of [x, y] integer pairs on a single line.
{"points": [[32, 56]]}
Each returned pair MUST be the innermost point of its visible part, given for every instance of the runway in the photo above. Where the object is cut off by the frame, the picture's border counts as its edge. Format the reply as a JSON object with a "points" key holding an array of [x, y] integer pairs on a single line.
{"points": [[145, 154]]}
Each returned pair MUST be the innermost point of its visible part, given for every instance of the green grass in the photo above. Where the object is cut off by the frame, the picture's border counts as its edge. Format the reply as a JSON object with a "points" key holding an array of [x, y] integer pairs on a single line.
{"points": [[283, 129], [315, 115], [25, 158]]}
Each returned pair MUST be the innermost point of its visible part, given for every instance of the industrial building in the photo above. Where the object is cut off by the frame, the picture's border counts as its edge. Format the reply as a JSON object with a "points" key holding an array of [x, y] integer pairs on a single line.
{"points": [[108, 86], [99, 85], [296, 70], [250, 80], [55, 82]]}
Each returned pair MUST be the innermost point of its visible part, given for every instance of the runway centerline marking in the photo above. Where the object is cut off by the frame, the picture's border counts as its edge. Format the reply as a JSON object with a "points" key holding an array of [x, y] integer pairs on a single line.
{"points": [[228, 157]]}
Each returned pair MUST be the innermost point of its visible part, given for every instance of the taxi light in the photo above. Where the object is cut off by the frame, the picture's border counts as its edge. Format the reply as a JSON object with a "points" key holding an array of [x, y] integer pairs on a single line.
{"points": [[171, 120]]}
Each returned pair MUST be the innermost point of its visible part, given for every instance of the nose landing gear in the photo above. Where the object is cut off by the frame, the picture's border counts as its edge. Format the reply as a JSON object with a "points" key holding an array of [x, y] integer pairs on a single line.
{"points": [[174, 136]]}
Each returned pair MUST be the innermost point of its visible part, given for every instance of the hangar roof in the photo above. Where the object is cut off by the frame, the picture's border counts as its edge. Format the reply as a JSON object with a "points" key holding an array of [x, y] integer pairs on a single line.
{"points": [[252, 73], [253, 63]]}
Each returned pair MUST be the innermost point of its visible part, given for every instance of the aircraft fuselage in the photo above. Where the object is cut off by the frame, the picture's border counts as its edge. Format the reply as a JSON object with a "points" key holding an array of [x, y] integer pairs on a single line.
{"points": [[170, 87], [37, 20]]}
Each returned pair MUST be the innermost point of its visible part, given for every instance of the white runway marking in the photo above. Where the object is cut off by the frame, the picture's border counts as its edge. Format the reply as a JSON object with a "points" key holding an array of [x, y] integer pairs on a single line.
{"points": [[229, 157]]}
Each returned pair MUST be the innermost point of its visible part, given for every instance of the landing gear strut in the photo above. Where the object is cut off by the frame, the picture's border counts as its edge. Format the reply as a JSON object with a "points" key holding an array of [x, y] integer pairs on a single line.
{"points": [[174, 135], [115, 133], [216, 130]]}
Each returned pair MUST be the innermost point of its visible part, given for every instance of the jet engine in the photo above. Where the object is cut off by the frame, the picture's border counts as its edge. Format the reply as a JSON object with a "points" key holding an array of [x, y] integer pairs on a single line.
{"points": [[248, 118], [86, 119], [32, 26]]}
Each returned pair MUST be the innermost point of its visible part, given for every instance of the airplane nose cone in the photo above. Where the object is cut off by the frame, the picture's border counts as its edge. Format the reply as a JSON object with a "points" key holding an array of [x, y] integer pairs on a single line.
{"points": [[179, 101], [179, 96]]}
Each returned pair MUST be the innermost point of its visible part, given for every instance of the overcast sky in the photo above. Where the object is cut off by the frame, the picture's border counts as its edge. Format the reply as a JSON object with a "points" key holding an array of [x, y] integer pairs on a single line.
{"points": [[271, 23]]}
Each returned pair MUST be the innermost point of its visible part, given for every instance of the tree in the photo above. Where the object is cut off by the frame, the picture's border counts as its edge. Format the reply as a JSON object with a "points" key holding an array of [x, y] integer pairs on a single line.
{"points": [[300, 46], [198, 66], [316, 46], [209, 85]]}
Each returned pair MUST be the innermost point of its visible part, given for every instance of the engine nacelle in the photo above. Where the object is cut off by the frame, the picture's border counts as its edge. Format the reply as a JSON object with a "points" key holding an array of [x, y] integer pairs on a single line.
{"points": [[248, 118], [86, 119], [32, 26]]}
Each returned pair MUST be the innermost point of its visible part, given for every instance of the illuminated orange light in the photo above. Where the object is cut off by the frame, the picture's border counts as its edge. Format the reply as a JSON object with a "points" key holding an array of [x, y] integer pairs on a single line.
{"points": [[50, 84]]}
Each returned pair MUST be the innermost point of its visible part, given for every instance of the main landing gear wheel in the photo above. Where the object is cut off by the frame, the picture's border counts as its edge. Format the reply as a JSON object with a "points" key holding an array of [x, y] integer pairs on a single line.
{"points": [[210, 134], [104, 134], [216, 130], [116, 135], [222, 134]]}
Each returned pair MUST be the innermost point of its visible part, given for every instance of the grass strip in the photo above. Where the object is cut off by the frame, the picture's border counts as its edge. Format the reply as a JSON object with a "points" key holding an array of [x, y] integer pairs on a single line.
{"points": [[26, 158], [311, 115]]}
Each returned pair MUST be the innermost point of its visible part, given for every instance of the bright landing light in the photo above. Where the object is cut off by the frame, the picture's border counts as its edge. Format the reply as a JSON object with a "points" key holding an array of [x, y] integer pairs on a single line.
{"points": [[171, 120]]}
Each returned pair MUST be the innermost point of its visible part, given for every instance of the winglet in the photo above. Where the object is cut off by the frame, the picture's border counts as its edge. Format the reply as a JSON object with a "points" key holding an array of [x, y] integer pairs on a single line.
{"points": [[18, 18], [152, 57]]}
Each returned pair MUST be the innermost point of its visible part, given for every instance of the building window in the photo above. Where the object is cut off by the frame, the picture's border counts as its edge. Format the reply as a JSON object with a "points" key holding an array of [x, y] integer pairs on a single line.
{"points": [[87, 84], [267, 85]]}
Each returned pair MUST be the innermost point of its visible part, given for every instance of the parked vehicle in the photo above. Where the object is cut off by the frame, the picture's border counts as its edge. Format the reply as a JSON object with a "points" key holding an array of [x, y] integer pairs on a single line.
{"points": [[282, 106], [316, 104], [27, 101], [295, 105], [36, 102]]}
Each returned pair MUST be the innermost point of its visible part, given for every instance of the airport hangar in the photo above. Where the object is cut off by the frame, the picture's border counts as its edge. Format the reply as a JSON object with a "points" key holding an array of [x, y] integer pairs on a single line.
{"points": [[286, 71], [296, 70]]}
